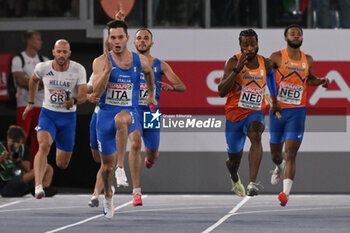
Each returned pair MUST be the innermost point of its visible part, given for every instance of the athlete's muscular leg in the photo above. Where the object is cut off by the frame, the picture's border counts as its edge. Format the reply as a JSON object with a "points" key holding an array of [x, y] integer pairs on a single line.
{"points": [[40, 161], [292, 147], [107, 173], [63, 158], [255, 152], [48, 176], [135, 158], [152, 155], [232, 164], [122, 121], [96, 155], [276, 152], [99, 183]]}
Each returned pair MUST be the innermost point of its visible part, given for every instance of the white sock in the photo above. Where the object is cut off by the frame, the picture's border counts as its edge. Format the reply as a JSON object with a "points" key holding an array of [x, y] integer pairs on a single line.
{"points": [[39, 187], [287, 186], [136, 190]]}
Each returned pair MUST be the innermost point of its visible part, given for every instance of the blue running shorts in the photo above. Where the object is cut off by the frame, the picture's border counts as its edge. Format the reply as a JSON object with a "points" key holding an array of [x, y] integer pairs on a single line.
{"points": [[93, 133], [151, 137], [61, 126], [106, 128], [290, 126], [236, 132]]}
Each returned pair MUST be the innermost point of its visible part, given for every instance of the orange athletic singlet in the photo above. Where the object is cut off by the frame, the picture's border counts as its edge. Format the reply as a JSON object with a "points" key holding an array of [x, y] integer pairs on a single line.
{"points": [[291, 79], [247, 94]]}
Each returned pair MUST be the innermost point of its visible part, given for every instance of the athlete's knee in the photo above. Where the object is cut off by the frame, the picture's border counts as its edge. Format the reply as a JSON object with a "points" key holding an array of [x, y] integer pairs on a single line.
{"points": [[122, 121], [44, 148], [62, 164], [107, 168], [254, 137], [135, 144]]}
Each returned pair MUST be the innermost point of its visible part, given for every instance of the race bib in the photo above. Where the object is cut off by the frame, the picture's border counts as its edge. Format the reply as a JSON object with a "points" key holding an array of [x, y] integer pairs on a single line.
{"points": [[144, 94], [251, 98], [57, 97], [119, 94], [290, 93]]}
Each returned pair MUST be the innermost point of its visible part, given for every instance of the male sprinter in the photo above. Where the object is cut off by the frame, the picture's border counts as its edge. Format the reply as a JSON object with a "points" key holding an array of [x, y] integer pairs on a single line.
{"points": [[117, 81], [294, 72], [143, 43], [57, 120], [245, 77]]}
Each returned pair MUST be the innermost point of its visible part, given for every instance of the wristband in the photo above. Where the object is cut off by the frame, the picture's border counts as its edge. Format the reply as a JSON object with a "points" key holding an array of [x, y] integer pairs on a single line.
{"points": [[75, 100], [30, 102], [235, 70]]}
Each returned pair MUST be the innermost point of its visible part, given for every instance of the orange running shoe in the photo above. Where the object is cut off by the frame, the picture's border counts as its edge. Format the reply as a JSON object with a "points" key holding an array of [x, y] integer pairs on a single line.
{"points": [[283, 199], [137, 199]]}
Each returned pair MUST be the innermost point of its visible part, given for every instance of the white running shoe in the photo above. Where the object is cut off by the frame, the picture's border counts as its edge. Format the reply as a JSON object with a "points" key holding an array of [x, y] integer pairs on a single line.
{"points": [[108, 207], [276, 176], [252, 188], [39, 192], [121, 177], [94, 202]]}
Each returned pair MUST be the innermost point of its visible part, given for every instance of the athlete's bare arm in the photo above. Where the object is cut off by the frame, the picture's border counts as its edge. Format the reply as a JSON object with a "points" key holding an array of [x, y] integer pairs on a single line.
{"points": [[276, 59], [149, 78], [177, 84], [312, 80], [229, 77], [89, 89], [101, 67], [33, 88], [269, 68], [81, 97]]}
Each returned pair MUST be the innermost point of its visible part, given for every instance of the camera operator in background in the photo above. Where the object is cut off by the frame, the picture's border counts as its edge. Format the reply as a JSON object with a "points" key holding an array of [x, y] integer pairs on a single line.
{"points": [[16, 177]]}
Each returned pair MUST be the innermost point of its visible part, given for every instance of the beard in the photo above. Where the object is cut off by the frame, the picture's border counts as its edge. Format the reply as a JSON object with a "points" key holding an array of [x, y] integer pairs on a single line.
{"points": [[143, 51], [294, 46], [61, 61], [251, 57]]}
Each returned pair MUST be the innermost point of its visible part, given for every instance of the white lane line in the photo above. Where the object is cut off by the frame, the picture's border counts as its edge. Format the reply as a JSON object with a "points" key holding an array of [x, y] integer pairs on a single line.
{"points": [[89, 219], [11, 203], [223, 219], [39, 208]]}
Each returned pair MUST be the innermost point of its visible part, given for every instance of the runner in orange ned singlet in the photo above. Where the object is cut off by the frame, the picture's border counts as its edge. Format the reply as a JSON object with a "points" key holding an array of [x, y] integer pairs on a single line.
{"points": [[294, 72], [245, 77]]}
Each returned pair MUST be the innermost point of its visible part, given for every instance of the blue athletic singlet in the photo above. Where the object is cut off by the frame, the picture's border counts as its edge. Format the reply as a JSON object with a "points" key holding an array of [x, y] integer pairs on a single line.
{"points": [[150, 137], [156, 67], [123, 86], [122, 93]]}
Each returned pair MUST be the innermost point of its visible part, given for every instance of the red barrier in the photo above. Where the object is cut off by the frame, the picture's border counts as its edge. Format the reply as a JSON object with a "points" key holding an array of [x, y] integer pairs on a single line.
{"points": [[5, 69]]}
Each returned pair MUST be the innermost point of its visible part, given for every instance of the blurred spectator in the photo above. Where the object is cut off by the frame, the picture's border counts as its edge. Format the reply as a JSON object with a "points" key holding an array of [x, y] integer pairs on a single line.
{"points": [[16, 177], [332, 13], [235, 13], [22, 70], [39, 8], [178, 13]]}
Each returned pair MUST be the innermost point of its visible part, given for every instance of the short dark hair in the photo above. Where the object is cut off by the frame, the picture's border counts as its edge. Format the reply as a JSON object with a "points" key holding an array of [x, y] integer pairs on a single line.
{"points": [[29, 35], [145, 29], [292, 26], [16, 133], [248, 32], [118, 24]]}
